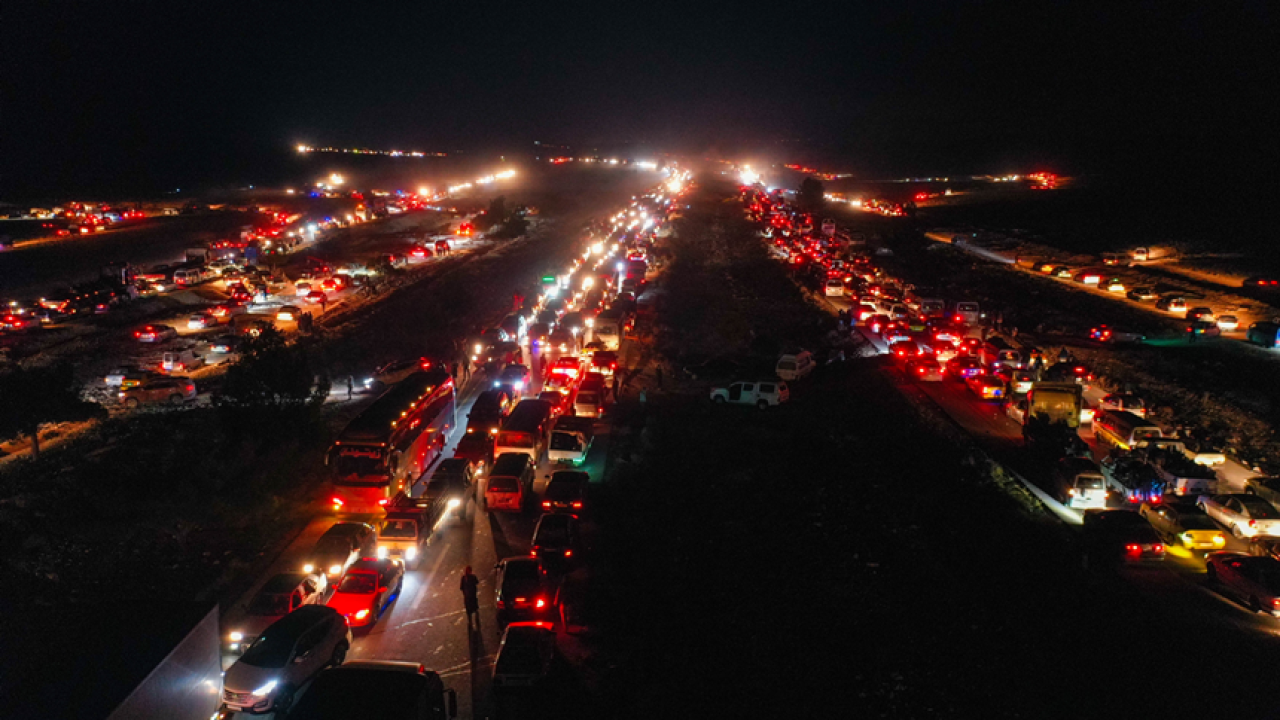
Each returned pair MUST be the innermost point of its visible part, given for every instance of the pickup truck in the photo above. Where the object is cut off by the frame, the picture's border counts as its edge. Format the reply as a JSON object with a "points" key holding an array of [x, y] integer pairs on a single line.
{"points": [[1202, 456], [1181, 474], [571, 440], [1132, 478]]}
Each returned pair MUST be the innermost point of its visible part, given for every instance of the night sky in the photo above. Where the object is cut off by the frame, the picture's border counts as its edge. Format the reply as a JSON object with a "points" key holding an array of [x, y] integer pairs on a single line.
{"points": [[152, 95]]}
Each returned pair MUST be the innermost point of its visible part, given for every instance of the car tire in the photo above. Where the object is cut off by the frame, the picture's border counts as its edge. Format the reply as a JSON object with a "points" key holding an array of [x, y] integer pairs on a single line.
{"points": [[175, 400], [283, 701], [339, 655], [719, 399], [763, 404], [132, 403]]}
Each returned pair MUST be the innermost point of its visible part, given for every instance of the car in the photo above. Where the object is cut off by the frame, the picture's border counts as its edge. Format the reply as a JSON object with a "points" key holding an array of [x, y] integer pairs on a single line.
{"points": [[289, 313], [488, 411], [316, 297], [555, 539], [604, 362], [200, 321], [1265, 546], [367, 589], [1243, 515], [154, 333], [525, 655], [510, 483], [561, 401], [761, 394], [1141, 293], [539, 333], [1107, 334], [523, 591], [393, 372], [1114, 285], [1266, 282], [563, 340], [285, 657], [176, 361], [1126, 402], [1267, 488], [905, 349], [1119, 537], [132, 374], [1253, 580], [515, 379], [1172, 303], [478, 448], [1078, 373], [963, 366], [1016, 409], [987, 387], [155, 390], [1228, 323], [1202, 313], [224, 344], [450, 488], [279, 596], [924, 369], [340, 546], [1020, 381], [1203, 328], [1184, 524], [566, 492], [383, 689]]}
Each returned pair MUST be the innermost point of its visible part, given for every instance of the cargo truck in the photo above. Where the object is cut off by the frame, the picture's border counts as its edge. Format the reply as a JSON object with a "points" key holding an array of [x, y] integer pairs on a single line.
{"points": [[1053, 414]]}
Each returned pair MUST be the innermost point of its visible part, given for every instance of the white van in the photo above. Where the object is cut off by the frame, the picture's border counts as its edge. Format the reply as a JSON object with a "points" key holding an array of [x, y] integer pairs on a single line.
{"points": [[794, 366], [177, 361]]}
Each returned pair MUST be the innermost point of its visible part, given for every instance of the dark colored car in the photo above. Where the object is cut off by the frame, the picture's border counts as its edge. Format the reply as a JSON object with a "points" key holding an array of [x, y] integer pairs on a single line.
{"points": [[566, 492], [523, 591], [1251, 579], [1114, 538], [963, 366], [339, 547], [488, 411], [478, 449], [383, 689], [555, 539], [451, 487]]}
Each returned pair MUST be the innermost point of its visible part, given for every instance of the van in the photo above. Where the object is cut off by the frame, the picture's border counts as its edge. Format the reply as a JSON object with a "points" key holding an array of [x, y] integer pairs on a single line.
{"points": [[1079, 484], [967, 313], [998, 352], [176, 361], [590, 402], [1124, 429], [525, 430], [510, 483], [793, 366], [834, 287]]}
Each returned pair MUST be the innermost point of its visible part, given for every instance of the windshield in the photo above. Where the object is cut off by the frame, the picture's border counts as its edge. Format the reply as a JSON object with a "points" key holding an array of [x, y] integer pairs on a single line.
{"points": [[269, 604], [1090, 482], [520, 571], [358, 465], [400, 529], [362, 583], [565, 441], [272, 650]]}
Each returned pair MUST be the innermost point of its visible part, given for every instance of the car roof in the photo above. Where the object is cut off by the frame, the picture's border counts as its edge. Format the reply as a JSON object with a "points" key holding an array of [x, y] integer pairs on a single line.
{"points": [[344, 529], [283, 583], [302, 619], [555, 519]]}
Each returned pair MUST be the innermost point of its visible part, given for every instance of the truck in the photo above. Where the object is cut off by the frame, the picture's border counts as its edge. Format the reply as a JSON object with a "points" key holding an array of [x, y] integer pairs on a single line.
{"points": [[1053, 414], [66, 661], [1132, 478], [406, 529], [609, 328], [1177, 470], [571, 438]]}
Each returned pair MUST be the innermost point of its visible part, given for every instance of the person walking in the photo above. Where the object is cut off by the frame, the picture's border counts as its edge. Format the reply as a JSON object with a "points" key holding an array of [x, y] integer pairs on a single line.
{"points": [[470, 586], [351, 386], [615, 386], [453, 370]]}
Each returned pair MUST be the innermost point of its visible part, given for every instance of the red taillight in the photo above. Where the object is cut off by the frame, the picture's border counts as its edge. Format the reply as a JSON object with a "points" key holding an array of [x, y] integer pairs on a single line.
{"points": [[540, 603], [959, 318], [1133, 550], [577, 504], [1158, 548], [568, 553], [546, 504], [337, 502], [1134, 499], [920, 370], [383, 501], [533, 552]]}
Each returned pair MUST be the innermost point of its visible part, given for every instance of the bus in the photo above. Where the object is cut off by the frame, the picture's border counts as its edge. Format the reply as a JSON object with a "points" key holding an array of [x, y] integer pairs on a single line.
{"points": [[386, 448], [525, 430], [1124, 429]]}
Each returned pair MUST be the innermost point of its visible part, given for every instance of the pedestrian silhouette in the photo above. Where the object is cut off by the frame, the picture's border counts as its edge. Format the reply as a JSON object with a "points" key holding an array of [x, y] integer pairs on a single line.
{"points": [[469, 586], [351, 386]]}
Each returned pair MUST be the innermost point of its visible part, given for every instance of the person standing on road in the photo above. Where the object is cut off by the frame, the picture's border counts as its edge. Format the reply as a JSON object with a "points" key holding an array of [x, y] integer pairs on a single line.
{"points": [[615, 386], [470, 586], [453, 370], [351, 386]]}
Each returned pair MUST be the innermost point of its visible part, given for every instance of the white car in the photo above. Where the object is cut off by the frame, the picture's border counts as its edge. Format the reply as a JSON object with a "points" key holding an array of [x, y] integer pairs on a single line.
{"points": [[834, 288], [760, 394], [1228, 323], [1243, 515]]}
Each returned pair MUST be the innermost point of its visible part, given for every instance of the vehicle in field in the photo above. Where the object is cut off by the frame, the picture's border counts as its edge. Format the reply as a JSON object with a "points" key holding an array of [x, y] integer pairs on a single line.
{"points": [[155, 333], [1125, 402], [556, 539], [1265, 334], [1267, 488], [962, 367], [760, 394], [986, 387], [1228, 323], [157, 390], [450, 489], [925, 369], [1133, 478], [515, 380], [176, 361], [566, 491], [406, 529], [1254, 581], [967, 313], [392, 442], [1141, 293], [523, 591], [1123, 429], [285, 656], [488, 411], [604, 362], [1052, 413], [1180, 473], [1172, 304], [1108, 334], [1201, 313], [393, 372], [367, 589]]}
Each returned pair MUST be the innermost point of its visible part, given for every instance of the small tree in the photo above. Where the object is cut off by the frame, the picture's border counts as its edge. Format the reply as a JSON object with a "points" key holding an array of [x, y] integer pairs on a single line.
{"points": [[32, 398], [810, 196]]}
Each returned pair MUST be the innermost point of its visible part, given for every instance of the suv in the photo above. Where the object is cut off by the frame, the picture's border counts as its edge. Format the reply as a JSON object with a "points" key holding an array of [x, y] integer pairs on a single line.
{"points": [[156, 390], [525, 656], [487, 412], [555, 540], [566, 492], [386, 689], [760, 394], [284, 657], [280, 596], [523, 590]]}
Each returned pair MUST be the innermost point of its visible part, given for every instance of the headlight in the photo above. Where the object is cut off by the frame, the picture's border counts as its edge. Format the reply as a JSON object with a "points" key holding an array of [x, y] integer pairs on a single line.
{"points": [[1219, 540], [519, 384], [308, 568], [410, 552], [362, 613], [479, 348], [265, 689], [1187, 538], [335, 569], [383, 551], [236, 636], [453, 503]]}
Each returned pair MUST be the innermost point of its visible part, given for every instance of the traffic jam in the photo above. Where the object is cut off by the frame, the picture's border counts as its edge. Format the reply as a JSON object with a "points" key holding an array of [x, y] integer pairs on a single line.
{"points": [[459, 503], [1143, 494]]}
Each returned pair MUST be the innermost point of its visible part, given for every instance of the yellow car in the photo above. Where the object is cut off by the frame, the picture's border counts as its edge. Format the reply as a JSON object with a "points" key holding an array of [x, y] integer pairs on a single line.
{"points": [[1183, 524]]}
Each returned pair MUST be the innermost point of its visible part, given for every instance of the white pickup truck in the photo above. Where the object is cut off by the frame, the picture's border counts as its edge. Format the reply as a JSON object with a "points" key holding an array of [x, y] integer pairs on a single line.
{"points": [[571, 440], [761, 394]]}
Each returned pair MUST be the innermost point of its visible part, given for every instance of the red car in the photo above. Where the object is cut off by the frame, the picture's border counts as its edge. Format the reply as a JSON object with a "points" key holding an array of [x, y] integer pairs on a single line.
{"points": [[317, 297], [367, 589]]}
